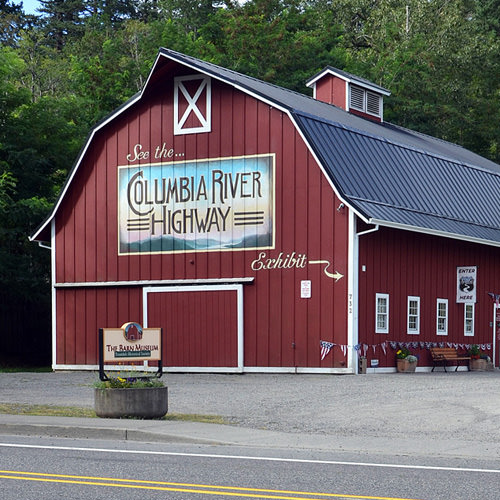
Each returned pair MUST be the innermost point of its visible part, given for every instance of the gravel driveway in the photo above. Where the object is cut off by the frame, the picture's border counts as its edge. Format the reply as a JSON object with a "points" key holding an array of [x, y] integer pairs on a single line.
{"points": [[462, 405]]}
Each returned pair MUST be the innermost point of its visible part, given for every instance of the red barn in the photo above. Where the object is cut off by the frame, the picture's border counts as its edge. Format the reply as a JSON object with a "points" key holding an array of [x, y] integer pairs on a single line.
{"points": [[265, 230]]}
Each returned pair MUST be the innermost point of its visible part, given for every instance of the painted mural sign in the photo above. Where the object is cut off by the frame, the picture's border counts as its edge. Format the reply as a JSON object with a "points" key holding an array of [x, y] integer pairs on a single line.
{"points": [[466, 284], [202, 205]]}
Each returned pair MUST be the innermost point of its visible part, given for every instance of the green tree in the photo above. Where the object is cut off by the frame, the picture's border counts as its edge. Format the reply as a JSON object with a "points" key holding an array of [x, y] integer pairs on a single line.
{"points": [[62, 20], [11, 22], [487, 13], [192, 15], [281, 42], [24, 268], [45, 68]]}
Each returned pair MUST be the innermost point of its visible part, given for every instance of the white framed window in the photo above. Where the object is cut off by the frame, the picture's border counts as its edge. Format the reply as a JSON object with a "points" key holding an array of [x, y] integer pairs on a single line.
{"points": [[442, 317], [381, 313], [469, 319], [413, 322]]}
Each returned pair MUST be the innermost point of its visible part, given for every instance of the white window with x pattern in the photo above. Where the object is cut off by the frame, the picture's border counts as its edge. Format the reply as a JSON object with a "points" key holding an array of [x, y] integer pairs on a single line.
{"points": [[192, 104]]}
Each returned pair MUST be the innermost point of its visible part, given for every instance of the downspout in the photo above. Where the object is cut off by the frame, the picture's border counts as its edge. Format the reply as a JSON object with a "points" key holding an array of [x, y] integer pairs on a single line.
{"points": [[368, 231], [53, 282], [353, 287]]}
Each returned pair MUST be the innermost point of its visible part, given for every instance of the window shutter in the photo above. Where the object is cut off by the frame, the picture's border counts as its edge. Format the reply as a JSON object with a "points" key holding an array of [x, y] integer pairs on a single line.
{"points": [[372, 104], [357, 98]]}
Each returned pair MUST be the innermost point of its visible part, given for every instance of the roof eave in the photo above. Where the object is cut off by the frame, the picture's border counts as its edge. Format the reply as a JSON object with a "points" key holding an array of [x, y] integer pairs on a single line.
{"points": [[433, 232]]}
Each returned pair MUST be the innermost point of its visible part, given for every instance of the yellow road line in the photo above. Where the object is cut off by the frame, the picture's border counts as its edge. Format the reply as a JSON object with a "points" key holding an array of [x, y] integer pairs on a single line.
{"points": [[182, 487]]}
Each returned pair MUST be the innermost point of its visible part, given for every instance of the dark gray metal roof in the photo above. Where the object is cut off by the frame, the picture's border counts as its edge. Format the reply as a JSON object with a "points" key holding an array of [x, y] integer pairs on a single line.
{"points": [[390, 175], [401, 186]]}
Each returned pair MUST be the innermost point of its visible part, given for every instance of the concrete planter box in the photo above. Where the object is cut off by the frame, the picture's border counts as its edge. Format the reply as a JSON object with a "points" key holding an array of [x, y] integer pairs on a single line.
{"points": [[146, 402]]}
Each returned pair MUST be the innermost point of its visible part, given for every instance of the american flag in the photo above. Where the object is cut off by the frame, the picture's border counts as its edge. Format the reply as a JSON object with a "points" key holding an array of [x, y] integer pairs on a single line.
{"points": [[325, 348]]}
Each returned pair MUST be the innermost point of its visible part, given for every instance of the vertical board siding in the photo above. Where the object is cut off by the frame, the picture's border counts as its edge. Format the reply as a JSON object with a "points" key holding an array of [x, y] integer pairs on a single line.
{"points": [[280, 327], [402, 264], [200, 328], [332, 90], [81, 312]]}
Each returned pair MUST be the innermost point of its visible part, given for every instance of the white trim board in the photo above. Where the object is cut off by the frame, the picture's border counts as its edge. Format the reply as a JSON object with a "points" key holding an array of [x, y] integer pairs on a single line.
{"points": [[204, 369], [186, 282]]}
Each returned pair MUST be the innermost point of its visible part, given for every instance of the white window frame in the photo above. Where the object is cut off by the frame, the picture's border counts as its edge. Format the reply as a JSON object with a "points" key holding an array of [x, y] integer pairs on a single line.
{"points": [[378, 312], [469, 331], [204, 89], [442, 331], [416, 330], [362, 94]]}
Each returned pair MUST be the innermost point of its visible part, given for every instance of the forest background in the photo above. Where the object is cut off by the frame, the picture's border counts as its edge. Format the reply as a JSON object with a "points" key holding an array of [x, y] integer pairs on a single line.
{"points": [[70, 65]]}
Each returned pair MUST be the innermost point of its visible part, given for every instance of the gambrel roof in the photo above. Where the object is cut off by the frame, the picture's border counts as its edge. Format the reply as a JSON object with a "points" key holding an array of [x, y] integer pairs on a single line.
{"points": [[387, 174]]}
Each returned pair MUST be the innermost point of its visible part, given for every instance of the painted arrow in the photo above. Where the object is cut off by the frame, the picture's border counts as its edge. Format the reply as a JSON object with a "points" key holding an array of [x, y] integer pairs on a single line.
{"points": [[335, 276]]}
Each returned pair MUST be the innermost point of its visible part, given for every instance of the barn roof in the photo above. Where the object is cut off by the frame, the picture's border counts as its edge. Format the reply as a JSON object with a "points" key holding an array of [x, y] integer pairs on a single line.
{"points": [[387, 174]]}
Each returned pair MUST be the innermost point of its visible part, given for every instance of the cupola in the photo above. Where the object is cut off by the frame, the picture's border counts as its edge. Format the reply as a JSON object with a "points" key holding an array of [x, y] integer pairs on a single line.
{"points": [[349, 92]]}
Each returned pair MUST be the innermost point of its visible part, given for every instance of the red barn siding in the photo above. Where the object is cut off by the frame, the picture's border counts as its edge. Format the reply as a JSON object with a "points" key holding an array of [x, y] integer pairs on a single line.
{"points": [[200, 328], [401, 263], [281, 329], [331, 90], [80, 314]]}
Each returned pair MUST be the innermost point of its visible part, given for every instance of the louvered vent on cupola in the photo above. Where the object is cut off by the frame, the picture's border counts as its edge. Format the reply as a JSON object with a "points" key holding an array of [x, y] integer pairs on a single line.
{"points": [[349, 92]]}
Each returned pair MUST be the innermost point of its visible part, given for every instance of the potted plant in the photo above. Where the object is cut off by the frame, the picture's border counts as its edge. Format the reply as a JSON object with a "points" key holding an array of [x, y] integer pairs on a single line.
{"points": [[474, 352], [131, 396], [476, 363], [406, 361]]}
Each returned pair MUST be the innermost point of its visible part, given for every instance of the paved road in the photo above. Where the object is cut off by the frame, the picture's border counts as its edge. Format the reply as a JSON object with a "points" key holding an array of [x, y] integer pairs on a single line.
{"points": [[99, 469]]}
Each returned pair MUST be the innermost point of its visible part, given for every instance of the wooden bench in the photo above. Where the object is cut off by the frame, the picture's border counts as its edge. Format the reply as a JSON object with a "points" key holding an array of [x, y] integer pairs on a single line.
{"points": [[444, 355]]}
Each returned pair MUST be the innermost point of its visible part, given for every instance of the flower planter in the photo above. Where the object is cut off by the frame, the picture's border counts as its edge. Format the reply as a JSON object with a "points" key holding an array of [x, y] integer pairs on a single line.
{"points": [[144, 402], [404, 366], [477, 365]]}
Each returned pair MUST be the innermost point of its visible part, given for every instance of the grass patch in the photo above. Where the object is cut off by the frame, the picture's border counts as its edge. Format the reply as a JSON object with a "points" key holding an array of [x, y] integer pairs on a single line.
{"points": [[74, 411], [46, 410], [187, 417]]}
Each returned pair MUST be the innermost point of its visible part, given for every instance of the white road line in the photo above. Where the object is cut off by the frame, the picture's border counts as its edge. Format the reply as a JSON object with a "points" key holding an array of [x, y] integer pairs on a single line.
{"points": [[243, 457]]}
